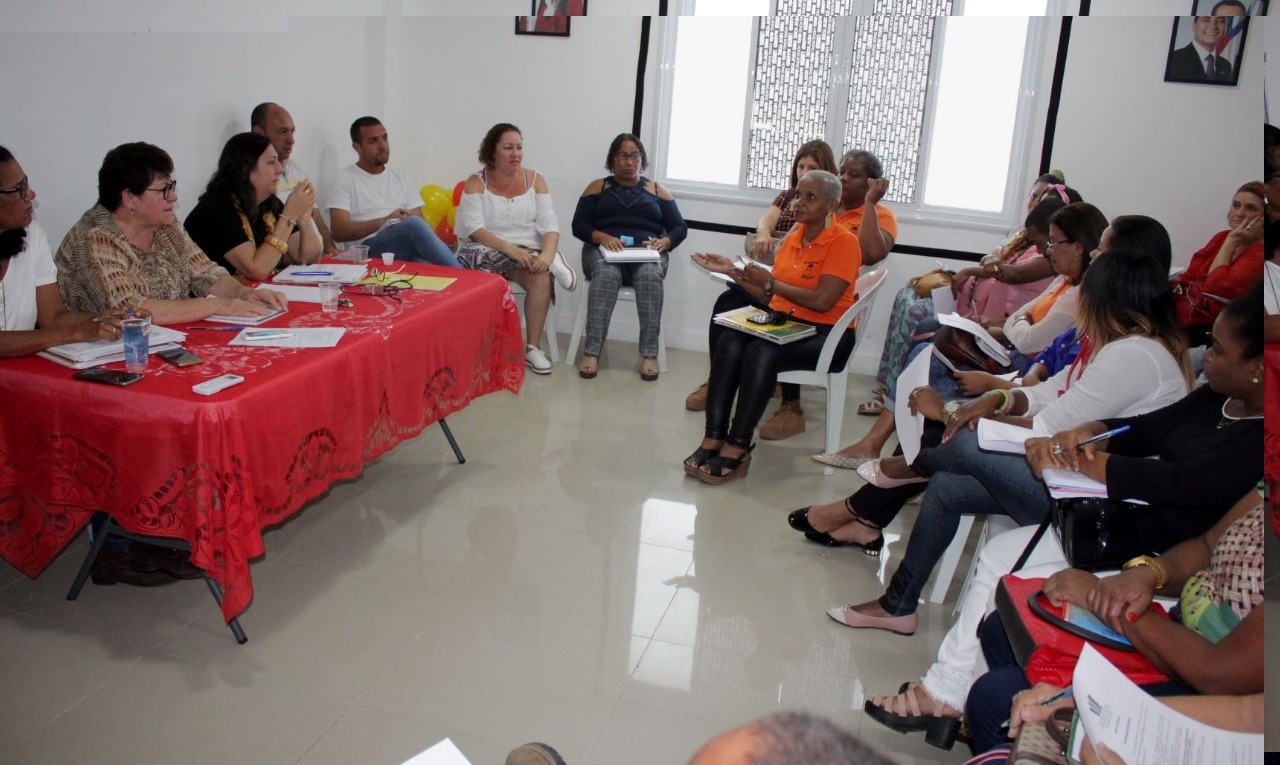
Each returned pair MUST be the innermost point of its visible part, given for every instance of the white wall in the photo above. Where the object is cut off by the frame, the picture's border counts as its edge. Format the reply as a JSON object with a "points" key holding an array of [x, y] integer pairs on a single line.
{"points": [[185, 76]]}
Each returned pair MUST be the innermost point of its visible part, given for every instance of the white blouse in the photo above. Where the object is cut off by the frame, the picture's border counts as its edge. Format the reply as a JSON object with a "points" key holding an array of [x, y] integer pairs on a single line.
{"points": [[520, 220]]}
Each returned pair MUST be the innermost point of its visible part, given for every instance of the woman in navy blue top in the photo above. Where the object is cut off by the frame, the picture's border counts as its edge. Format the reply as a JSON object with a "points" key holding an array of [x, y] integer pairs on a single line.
{"points": [[625, 210]]}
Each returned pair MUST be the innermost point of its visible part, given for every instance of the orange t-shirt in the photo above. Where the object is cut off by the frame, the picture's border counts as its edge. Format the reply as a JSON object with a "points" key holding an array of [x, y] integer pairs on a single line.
{"points": [[852, 220], [834, 252]]}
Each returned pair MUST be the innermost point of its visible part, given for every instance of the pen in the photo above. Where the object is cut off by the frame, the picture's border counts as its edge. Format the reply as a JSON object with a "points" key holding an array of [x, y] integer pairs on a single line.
{"points": [[227, 328], [1095, 439], [1065, 693], [312, 273]]}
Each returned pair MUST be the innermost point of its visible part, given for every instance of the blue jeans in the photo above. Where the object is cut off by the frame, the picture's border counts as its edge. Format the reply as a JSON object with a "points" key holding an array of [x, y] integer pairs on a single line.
{"points": [[964, 480], [412, 239]]}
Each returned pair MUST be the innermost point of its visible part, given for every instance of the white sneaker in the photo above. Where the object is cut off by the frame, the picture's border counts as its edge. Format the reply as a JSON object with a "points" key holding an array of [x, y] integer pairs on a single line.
{"points": [[564, 274], [536, 360]]}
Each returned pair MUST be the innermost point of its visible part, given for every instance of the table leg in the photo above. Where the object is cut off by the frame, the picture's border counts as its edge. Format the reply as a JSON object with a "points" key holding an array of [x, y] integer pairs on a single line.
{"points": [[234, 624], [452, 442], [97, 530]]}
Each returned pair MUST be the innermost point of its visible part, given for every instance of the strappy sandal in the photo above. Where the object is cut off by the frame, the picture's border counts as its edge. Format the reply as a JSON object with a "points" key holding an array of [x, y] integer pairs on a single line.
{"points": [[799, 520], [589, 367], [904, 716], [720, 470], [872, 408], [700, 457]]}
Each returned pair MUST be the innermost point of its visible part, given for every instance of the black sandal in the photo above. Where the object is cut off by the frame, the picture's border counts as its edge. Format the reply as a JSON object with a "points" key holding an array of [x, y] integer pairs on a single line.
{"points": [[700, 457], [799, 520], [723, 469]]}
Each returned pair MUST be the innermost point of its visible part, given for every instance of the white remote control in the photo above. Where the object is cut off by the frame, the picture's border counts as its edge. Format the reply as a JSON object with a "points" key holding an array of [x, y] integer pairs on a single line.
{"points": [[210, 387]]}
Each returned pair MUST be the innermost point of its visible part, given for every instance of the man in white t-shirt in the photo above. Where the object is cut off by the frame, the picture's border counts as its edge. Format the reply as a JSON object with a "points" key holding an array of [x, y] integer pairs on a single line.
{"points": [[275, 122], [32, 316], [376, 205]]}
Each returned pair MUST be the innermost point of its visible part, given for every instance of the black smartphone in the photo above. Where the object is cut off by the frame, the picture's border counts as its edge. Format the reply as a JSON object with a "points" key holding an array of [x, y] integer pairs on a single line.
{"points": [[180, 357], [760, 318], [108, 376]]}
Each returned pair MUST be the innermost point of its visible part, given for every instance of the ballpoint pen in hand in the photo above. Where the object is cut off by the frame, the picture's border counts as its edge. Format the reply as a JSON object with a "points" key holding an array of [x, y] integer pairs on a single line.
{"points": [[1065, 693], [1102, 437], [225, 328]]}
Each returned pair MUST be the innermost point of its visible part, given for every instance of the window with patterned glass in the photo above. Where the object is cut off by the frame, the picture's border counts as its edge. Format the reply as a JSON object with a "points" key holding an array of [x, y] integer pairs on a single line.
{"points": [[814, 70]]}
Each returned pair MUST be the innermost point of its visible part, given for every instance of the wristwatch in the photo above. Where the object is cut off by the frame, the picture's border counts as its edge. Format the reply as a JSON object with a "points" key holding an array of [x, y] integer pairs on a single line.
{"points": [[768, 287], [1151, 563], [950, 408]]}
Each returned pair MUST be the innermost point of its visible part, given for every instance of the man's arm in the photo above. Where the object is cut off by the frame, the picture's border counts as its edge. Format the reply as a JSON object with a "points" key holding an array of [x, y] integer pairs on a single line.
{"points": [[346, 230], [326, 238]]}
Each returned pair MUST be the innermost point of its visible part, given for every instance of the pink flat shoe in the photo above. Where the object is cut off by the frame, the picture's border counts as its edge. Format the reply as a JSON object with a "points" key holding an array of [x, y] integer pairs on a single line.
{"points": [[870, 472], [898, 625]]}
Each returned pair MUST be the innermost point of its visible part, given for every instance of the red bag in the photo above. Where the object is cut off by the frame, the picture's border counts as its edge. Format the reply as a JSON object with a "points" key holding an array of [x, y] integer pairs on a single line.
{"points": [[1195, 307], [1048, 653]]}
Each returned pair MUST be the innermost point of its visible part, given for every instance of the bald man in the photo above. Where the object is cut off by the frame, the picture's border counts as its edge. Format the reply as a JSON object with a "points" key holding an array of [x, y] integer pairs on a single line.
{"points": [[275, 122]]}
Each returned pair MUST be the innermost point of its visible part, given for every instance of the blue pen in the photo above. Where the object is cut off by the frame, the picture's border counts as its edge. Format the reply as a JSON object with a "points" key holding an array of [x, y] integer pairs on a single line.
{"points": [[1104, 436], [1065, 693], [311, 273]]}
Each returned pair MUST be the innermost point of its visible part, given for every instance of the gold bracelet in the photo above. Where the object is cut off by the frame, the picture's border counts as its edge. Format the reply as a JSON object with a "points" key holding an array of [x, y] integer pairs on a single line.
{"points": [[1162, 576], [272, 240]]}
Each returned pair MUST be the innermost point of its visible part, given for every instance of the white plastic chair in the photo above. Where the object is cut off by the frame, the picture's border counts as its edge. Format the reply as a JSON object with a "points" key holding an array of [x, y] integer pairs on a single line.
{"points": [[553, 343], [837, 380], [946, 569], [627, 294]]}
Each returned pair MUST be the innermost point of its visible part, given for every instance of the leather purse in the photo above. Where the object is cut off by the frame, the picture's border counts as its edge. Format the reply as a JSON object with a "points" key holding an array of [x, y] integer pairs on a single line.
{"points": [[1043, 743], [925, 284], [1097, 533], [1194, 307], [961, 349]]}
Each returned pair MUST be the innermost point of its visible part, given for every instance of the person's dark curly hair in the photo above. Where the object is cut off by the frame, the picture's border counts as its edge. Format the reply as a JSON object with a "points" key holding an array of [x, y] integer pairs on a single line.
{"points": [[14, 240], [239, 157], [131, 167], [489, 146], [616, 146], [1081, 223], [1244, 318]]}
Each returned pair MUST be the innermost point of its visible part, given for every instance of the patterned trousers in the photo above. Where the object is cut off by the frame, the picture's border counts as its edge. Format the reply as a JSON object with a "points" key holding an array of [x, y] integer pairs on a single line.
{"points": [[606, 279]]}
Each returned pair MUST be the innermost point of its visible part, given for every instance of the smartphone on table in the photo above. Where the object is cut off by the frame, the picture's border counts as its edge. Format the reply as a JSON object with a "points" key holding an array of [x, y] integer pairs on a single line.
{"points": [[180, 357], [107, 376]]}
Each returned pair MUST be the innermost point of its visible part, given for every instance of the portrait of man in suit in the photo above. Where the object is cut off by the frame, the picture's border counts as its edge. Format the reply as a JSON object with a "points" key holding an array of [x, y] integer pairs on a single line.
{"points": [[550, 17], [1208, 49]]}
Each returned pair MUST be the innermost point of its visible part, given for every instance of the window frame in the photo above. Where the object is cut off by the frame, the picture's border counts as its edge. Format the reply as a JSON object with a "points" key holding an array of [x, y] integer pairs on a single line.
{"points": [[1021, 159]]}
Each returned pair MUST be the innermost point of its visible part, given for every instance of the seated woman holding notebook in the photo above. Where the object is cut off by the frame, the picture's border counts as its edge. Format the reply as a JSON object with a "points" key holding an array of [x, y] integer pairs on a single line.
{"points": [[812, 282], [1188, 461], [1216, 647], [239, 221]]}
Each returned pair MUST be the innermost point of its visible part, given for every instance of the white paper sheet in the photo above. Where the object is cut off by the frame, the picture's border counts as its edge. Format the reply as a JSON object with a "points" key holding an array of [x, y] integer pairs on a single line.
{"points": [[996, 436], [443, 753], [910, 426], [299, 337], [986, 343], [1069, 483], [1142, 731], [943, 300], [334, 273], [99, 350], [294, 293]]}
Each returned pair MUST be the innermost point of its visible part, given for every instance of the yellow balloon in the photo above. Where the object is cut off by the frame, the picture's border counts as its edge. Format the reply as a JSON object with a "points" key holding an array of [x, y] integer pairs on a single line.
{"points": [[436, 202]]}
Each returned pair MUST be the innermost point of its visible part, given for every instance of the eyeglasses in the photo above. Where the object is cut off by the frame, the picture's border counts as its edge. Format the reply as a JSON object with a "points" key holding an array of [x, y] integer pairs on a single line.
{"points": [[21, 189], [391, 290], [166, 190], [632, 157], [1051, 245]]}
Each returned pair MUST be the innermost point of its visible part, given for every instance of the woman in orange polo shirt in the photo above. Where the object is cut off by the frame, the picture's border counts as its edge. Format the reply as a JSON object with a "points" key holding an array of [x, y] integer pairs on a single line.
{"points": [[812, 282]]}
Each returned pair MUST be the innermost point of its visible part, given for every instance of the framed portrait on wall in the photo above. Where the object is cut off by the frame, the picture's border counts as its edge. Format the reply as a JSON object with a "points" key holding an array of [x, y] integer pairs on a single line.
{"points": [[550, 17], [1208, 46]]}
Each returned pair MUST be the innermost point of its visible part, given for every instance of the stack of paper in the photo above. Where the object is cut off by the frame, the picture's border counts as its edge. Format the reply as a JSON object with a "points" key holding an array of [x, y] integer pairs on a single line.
{"points": [[1069, 483], [631, 255], [986, 343], [94, 353], [787, 332], [322, 273], [996, 436], [248, 321]]}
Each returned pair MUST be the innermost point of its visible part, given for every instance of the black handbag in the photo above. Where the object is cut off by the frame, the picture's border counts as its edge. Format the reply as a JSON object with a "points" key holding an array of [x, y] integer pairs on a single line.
{"points": [[1097, 533]]}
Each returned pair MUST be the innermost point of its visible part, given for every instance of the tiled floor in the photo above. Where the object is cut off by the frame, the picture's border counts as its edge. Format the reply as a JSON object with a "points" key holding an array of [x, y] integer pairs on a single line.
{"points": [[567, 584]]}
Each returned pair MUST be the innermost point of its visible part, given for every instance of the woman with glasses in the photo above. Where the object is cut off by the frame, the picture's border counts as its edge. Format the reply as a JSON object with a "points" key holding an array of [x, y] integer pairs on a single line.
{"points": [[625, 209], [129, 250], [239, 221], [32, 316]]}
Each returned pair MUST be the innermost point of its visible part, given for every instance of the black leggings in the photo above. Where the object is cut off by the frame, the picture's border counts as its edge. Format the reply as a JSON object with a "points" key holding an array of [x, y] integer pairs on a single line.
{"points": [[748, 366], [730, 299]]}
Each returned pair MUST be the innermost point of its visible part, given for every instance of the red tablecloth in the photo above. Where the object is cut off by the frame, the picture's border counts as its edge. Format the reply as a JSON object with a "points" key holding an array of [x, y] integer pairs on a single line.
{"points": [[1271, 429], [217, 470]]}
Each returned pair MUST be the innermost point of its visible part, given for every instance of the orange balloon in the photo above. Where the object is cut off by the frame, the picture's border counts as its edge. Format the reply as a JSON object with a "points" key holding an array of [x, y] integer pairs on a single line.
{"points": [[457, 194]]}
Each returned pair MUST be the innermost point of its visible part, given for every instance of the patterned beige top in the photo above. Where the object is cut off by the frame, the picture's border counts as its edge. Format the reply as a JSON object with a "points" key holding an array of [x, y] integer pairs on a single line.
{"points": [[98, 268]]}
